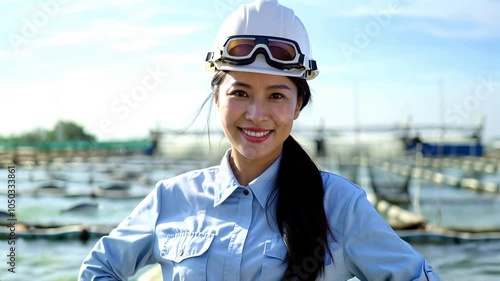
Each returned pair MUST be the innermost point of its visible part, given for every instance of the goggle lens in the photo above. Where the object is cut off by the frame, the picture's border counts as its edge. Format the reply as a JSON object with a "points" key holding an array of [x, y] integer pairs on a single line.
{"points": [[240, 47], [282, 51]]}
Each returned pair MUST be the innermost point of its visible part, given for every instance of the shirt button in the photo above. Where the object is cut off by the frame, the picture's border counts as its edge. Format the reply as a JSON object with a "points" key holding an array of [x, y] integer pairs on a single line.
{"points": [[246, 192]]}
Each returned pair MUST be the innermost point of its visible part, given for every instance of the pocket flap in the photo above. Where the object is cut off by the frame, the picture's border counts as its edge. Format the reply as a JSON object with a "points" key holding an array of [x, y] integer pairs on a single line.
{"points": [[180, 246], [275, 248]]}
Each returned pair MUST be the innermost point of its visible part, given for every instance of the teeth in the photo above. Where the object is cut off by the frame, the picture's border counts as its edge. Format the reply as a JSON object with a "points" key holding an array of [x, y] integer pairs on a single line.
{"points": [[256, 134]]}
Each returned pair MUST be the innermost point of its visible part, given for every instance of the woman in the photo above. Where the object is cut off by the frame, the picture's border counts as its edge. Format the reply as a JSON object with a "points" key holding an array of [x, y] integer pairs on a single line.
{"points": [[266, 212]]}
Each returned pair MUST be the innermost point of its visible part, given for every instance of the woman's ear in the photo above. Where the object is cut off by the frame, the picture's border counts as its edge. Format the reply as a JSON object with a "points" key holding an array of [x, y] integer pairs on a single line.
{"points": [[216, 99], [297, 109]]}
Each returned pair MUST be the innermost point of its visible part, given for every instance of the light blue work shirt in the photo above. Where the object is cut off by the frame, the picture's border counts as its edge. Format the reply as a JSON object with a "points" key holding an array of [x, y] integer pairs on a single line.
{"points": [[204, 225]]}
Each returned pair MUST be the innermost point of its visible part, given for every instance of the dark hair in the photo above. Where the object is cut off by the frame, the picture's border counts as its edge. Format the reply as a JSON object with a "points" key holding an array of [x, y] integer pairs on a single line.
{"points": [[300, 212]]}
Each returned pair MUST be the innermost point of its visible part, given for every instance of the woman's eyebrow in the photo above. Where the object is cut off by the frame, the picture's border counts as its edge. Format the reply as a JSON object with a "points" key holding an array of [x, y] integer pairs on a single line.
{"points": [[279, 87], [272, 87], [241, 84]]}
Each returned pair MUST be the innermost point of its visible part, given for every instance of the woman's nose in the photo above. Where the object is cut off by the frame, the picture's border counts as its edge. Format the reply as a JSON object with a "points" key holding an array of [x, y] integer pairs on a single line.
{"points": [[257, 111]]}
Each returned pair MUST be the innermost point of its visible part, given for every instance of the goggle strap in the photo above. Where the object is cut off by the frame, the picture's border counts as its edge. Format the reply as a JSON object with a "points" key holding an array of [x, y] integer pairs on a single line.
{"points": [[301, 59], [312, 65], [210, 56]]}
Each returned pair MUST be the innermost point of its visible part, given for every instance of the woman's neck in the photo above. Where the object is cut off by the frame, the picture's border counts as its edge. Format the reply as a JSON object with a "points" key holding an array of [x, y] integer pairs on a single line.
{"points": [[246, 170]]}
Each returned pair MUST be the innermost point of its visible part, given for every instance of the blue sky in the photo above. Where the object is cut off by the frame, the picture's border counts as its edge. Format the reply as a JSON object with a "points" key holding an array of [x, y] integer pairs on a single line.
{"points": [[123, 67]]}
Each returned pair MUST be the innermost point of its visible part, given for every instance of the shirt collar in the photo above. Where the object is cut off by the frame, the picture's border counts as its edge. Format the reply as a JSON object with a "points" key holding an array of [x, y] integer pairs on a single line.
{"points": [[226, 183]]}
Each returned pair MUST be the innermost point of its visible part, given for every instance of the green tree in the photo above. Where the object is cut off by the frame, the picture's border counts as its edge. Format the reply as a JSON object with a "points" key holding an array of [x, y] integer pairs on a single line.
{"points": [[68, 130], [62, 131]]}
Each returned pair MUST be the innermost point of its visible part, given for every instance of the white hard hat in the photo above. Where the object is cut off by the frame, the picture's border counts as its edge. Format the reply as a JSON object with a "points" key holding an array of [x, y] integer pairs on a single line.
{"points": [[266, 20]]}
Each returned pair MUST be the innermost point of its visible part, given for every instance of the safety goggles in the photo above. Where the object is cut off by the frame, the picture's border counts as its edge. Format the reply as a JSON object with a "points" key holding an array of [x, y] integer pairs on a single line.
{"points": [[279, 52]]}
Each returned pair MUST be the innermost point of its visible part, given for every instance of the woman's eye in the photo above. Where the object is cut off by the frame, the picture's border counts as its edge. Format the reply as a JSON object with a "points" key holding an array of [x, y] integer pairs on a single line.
{"points": [[238, 94], [277, 96]]}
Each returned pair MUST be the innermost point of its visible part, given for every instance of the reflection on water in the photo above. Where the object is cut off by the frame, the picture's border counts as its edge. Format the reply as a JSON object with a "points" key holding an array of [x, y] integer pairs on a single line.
{"points": [[60, 260], [49, 260], [464, 262], [450, 206]]}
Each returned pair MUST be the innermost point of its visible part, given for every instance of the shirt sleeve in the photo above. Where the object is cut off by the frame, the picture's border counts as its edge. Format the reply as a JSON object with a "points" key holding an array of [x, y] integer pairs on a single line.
{"points": [[128, 247], [373, 251]]}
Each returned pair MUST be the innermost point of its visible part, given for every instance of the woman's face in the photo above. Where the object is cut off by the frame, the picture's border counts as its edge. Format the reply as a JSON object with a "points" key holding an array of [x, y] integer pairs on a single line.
{"points": [[257, 113]]}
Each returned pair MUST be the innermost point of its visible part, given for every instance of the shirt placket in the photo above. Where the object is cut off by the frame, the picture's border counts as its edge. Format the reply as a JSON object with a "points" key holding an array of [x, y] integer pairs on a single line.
{"points": [[232, 266]]}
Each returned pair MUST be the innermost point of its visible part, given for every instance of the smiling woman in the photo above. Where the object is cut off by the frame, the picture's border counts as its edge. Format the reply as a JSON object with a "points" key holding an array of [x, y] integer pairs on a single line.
{"points": [[266, 212]]}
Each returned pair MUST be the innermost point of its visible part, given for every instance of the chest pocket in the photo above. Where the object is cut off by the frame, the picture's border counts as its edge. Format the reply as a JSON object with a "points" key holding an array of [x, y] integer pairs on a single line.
{"points": [[186, 254], [273, 263], [274, 260]]}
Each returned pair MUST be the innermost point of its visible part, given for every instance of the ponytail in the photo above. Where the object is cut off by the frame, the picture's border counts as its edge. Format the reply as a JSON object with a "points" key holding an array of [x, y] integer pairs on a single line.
{"points": [[300, 213]]}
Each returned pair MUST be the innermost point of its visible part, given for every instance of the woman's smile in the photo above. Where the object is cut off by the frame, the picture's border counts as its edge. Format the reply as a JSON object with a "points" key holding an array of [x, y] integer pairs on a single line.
{"points": [[255, 134]]}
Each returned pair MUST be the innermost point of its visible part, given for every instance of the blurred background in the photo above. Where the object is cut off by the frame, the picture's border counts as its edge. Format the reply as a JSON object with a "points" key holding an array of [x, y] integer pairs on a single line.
{"points": [[99, 102]]}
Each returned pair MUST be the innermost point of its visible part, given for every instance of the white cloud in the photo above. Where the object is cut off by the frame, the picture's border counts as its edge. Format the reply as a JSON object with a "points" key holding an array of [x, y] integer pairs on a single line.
{"points": [[332, 69], [63, 38], [115, 29], [11, 55], [480, 11], [480, 17], [78, 7], [138, 45], [471, 31], [433, 76], [120, 35], [317, 3], [179, 59], [155, 11], [173, 30], [81, 94]]}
